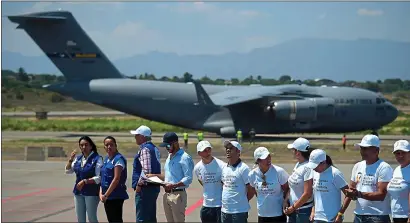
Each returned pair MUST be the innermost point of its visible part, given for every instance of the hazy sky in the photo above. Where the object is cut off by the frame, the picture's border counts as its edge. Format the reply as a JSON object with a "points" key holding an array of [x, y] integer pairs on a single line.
{"points": [[122, 29]]}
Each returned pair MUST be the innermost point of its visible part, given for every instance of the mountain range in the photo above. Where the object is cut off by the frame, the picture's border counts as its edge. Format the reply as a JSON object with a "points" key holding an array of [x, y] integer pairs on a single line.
{"points": [[339, 60]]}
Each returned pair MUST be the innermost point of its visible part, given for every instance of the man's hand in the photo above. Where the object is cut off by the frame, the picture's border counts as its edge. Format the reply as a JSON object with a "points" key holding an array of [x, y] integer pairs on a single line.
{"points": [[289, 210], [352, 193], [338, 219], [312, 216], [168, 187], [80, 185], [138, 189], [285, 205]]}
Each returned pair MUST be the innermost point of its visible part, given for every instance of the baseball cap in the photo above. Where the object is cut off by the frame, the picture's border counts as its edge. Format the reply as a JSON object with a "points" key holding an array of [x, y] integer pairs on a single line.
{"points": [[169, 138], [300, 144], [142, 130], [202, 145], [316, 157], [233, 143], [261, 153], [402, 145], [368, 140]]}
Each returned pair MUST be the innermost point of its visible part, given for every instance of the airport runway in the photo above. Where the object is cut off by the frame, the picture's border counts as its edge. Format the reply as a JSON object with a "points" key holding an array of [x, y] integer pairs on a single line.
{"points": [[41, 192], [157, 136]]}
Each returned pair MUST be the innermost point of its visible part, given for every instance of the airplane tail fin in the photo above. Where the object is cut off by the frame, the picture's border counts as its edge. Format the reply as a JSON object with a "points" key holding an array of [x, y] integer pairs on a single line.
{"points": [[67, 45], [203, 97]]}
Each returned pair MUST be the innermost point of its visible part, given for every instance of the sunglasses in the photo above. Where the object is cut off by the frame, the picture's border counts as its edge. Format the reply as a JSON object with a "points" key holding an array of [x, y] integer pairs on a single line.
{"points": [[264, 180]]}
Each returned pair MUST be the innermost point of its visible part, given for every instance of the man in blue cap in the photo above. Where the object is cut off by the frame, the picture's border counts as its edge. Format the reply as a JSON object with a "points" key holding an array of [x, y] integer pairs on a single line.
{"points": [[178, 176]]}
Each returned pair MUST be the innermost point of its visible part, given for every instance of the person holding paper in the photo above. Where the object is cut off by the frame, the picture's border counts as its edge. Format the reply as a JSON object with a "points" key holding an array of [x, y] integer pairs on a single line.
{"points": [[209, 174], [146, 161], [178, 176]]}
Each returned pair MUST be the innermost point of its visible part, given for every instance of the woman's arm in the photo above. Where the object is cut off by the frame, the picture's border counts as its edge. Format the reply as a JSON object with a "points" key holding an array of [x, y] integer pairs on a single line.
{"points": [[70, 164], [115, 181], [307, 193], [97, 178]]}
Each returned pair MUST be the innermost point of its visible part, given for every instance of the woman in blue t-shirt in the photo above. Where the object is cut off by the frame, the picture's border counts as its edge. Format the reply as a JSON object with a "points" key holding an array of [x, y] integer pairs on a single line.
{"points": [[113, 191], [86, 167]]}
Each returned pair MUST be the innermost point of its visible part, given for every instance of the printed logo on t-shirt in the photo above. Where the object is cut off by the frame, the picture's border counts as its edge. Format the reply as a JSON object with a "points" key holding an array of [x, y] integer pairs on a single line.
{"points": [[320, 185], [358, 177], [396, 183]]}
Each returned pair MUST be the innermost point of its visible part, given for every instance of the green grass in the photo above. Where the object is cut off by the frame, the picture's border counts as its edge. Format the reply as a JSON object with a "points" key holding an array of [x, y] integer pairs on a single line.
{"points": [[90, 124]]}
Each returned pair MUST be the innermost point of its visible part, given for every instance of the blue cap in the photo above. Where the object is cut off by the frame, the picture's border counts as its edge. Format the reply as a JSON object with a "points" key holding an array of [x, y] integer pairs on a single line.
{"points": [[169, 138]]}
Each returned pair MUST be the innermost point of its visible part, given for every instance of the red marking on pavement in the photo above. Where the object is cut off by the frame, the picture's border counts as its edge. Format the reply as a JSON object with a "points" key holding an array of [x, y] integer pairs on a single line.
{"points": [[191, 208], [27, 195]]}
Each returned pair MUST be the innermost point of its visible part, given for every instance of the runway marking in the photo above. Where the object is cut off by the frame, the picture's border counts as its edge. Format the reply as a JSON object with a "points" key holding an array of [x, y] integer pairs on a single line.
{"points": [[191, 208], [13, 198], [52, 214]]}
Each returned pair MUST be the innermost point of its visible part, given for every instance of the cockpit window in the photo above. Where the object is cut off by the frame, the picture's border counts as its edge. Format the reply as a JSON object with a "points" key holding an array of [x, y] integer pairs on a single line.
{"points": [[378, 101]]}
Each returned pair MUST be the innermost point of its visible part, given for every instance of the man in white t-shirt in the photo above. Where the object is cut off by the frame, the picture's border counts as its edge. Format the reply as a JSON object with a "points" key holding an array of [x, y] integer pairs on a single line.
{"points": [[399, 186], [209, 174], [236, 191], [368, 183]]}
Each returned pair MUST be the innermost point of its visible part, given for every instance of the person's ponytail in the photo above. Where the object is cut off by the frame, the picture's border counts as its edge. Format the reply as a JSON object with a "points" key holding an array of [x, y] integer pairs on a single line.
{"points": [[329, 160]]}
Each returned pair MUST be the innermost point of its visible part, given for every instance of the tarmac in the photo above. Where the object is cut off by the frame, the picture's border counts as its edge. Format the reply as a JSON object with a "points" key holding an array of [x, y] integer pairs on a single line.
{"points": [[41, 192]]}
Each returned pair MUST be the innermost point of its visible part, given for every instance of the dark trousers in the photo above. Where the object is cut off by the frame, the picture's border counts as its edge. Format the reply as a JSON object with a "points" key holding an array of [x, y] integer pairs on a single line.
{"points": [[272, 219], [234, 218], [210, 214], [113, 210], [146, 204], [371, 219], [400, 220]]}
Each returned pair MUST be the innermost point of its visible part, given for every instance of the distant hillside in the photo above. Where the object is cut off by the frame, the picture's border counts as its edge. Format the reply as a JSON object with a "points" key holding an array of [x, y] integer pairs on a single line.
{"points": [[339, 60]]}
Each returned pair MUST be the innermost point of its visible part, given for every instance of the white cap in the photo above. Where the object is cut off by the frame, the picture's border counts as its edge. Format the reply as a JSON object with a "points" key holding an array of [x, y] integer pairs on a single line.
{"points": [[369, 140], [202, 145], [261, 153], [142, 130], [234, 143], [316, 157], [402, 145], [300, 144]]}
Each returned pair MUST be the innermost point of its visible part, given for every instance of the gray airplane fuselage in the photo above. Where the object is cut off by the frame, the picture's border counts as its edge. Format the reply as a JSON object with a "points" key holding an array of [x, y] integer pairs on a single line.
{"points": [[331, 110]]}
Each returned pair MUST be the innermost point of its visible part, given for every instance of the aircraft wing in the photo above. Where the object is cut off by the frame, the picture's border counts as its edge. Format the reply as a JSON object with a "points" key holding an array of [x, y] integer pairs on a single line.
{"points": [[239, 96], [233, 97], [226, 98]]}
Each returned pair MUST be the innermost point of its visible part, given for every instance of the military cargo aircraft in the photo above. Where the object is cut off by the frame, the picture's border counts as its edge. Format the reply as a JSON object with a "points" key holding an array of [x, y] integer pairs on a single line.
{"points": [[298, 108]]}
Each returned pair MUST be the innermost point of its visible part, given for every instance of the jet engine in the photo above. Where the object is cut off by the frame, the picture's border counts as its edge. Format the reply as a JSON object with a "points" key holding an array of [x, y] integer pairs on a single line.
{"points": [[303, 110]]}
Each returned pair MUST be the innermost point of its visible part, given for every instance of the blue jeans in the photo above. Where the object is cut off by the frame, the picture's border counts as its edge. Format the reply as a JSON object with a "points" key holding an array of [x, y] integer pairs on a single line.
{"points": [[234, 218], [210, 214], [146, 204], [86, 204], [300, 216], [371, 219]]}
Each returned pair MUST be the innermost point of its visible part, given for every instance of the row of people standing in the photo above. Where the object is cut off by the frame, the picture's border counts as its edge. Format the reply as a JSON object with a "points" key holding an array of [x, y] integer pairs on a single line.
{"points": [[312, 193], [229, 186]]}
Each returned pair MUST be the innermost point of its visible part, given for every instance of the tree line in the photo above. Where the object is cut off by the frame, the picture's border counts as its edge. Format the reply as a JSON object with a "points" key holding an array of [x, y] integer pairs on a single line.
{"points": [[21, 77]]}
